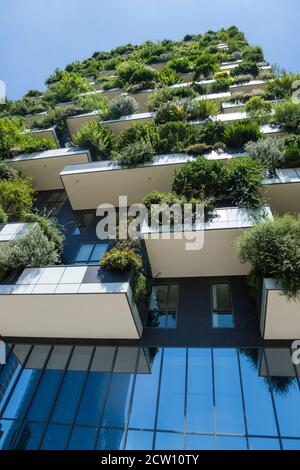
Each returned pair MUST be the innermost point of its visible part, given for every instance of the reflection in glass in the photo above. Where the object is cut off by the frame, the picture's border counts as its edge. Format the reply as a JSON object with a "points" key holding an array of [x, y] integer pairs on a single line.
{"points": [[22, 393], [199, 415], [145, 391], [82, 438], [68, 397], [196, 442], [8, 377], [44, 398], [93, 400], [263, 444], [56, 437], [30, 436], [139, 440], [172, 390], [116, 409], [229, 407], [110, 439], [231, 443], [168, 441], [8, 430], [291, 444]]}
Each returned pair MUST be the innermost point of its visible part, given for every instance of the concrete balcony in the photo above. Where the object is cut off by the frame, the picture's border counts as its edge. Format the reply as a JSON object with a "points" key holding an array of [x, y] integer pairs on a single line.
{"points": [[45, 134], [280, 317], [171, 253], [30, 118], [75, 123], [253, 87], [44, 167], [69, 302], [283, 191], [89, 185], [12, 231]]}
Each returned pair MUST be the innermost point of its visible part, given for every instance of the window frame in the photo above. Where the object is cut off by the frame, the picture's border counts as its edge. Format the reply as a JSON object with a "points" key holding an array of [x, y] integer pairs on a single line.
{"points": [[221, 311], [88, 262], [168, 311]]}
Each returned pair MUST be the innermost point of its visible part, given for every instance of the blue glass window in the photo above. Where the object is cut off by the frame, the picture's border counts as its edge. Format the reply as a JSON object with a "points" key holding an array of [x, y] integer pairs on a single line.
{"points": [[8, 377], [84, 223], [91, 253], [163, 307], [7, 433], [93, 400], [168, 441], [116, 409], [44, 398], [231, 443], [221, 306], [82, 438], [110, 439], [30, 436], [263, 444], [22, 393], [291, 444], [196, 442], [199, 414], [229, 407], [172, 390], [68, 397], [56, 437], [139, 440]]}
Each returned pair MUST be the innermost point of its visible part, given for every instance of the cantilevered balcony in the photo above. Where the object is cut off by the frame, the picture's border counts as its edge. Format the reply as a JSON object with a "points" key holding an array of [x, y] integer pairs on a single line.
{"points": [[69, 302], [12, 231], [283, 191], [91, 184], [280, 316], [254, 86], [46, 134], [170, 257], [116, 125], [44, 167]]}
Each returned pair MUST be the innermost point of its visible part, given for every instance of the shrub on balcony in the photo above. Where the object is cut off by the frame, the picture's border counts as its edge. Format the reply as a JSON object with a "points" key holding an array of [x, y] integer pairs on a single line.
{"points": [[144, 131], [257, 106], [122, 106], [291, 158], [245, 68], [268, 152], [98, 138], [175, 137], [171, 111], [287, 116], [69, 87], [32, 249], [281, 87], [201, 109], [16, 197], [253, 54], [220, 85], [164, 95], [95, 102], [7, 173], [273, 250], [3, 216], [212, 132], [179, 64], [50, 227], [238, 134], [242, 79], [133, 72], [206, 65], [202, 148], [167, 77], [135, 154]]}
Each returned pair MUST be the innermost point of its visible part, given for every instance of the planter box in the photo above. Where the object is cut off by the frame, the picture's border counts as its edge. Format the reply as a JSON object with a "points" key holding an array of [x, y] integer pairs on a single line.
{"points": [[280, 317], [69, 302]]}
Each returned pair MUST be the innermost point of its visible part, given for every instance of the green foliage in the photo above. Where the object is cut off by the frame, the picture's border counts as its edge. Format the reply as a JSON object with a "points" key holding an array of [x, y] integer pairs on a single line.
{"points": [[268, 152], [258, 107], [287, 116], [133, 72], [30, 144], [3, 216], [220, 85], [16, 197], [167, 77], [165, 94], [245, 68], [241, 79], [179, 64], [120, 259], [212, 132], [239, 180], [122, 105], [273, 249], [144, 131], [31, 249], [202, 149], [281, 87], [202, 109], [97, 137], [291, 157], [135, 154], [253, 54], [238, 134], [69, 87], [170, 111], [50, 227], [10, 135], [175, 137], [206, 65], [94, 102], [7, 173]]}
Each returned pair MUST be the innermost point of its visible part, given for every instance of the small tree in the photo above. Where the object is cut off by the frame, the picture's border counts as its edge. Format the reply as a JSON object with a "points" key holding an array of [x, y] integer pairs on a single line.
{"points": [[135, 154], [97, 137], [268, 152], [245, 68], [258, 107], [70, 86], [273, 250], [287, 116], [167, 77], [16, 197], [238, 134]]}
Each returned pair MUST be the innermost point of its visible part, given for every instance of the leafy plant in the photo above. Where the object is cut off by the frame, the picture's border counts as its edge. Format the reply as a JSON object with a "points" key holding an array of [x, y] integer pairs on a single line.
{"points": [[94, 102], [122, 105], [97, 137], [16, 197], [287, 116], [253, 54], [7, 172], [31, 249], [170, 111], [238, 134], [167, 77], [144, 131], [10, 135], [220, 85], [201, 109], [281, 87], [3, 216], [212, 132], [291, 151], [135, 154], [268, 152], [273, 249], [257, 106], [175, 137], [245, 68], [69, 87], [132, 72], [179, 64]]}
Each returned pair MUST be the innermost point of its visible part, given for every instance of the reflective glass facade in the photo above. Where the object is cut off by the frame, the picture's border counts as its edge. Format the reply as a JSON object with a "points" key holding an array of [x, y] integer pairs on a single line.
{"points": [[88, 397]]}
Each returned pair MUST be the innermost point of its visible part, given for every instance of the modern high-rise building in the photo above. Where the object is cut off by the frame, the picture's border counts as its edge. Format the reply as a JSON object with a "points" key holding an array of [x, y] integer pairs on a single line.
{"points": [[181, 338]]}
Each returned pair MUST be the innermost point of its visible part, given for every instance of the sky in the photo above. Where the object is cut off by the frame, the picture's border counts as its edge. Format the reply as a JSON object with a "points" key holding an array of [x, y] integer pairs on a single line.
{"points": [[36, 36]]}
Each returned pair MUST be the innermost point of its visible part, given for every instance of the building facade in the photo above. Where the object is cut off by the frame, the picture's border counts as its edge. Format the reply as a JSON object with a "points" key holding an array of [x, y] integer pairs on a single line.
{"points": [[202, 362]]}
